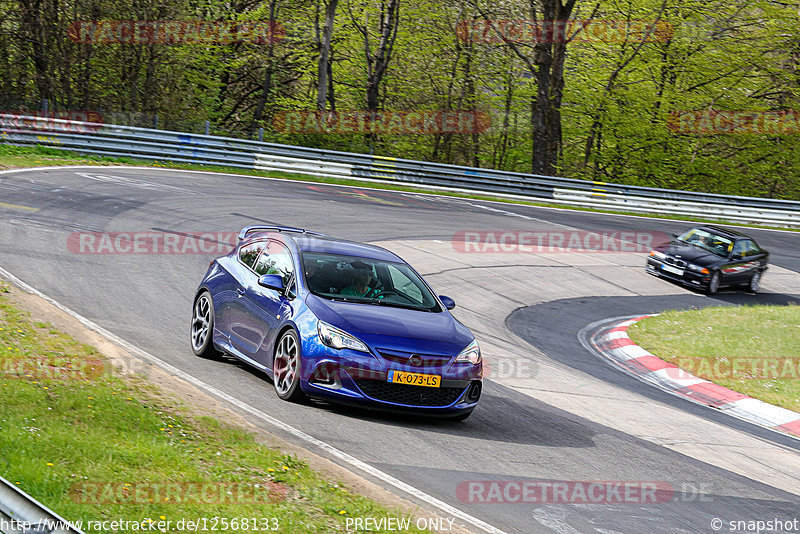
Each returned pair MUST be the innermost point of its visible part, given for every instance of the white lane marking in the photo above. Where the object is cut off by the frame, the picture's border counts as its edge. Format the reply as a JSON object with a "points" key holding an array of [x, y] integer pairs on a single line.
{"points": [[767, 413], [357, 179], [521, 216], [133, 182], [619, 334], [351, 460], [679, 378]]}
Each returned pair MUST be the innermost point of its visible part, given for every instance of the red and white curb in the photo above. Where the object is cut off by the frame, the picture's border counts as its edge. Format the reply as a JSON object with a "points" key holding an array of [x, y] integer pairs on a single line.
{"points": [[616, 346]]}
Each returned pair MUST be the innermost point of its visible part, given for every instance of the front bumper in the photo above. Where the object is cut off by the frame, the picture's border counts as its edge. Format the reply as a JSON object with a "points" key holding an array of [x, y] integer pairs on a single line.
{"points": [[683, 275], [360, 379]]}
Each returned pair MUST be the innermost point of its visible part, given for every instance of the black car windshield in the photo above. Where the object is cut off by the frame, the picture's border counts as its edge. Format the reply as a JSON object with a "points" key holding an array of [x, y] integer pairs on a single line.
{"points": [[699, 237], [367, 281]]}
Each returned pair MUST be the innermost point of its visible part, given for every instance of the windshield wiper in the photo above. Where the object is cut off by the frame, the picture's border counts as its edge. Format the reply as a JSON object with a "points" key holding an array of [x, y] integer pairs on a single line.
{"points": [[342, 299], [394, 305]]}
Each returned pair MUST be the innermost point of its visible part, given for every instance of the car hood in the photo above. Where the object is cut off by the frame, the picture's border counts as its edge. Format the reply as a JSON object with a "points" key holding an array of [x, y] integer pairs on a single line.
{"points": [[690, 253], [393, 327]]}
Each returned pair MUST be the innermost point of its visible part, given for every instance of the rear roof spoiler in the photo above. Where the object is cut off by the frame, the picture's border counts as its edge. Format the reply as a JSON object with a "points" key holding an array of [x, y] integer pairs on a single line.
{"points": [[247, 230]]}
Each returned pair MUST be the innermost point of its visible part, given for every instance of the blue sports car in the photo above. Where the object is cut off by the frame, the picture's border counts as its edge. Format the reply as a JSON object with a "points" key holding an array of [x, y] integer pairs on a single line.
{"points": [[337, 320]]}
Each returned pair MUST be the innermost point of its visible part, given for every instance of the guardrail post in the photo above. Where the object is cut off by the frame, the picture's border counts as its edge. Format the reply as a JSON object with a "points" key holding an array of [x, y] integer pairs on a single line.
{"points": [[207, 127], [155, 121], [261, 135]]}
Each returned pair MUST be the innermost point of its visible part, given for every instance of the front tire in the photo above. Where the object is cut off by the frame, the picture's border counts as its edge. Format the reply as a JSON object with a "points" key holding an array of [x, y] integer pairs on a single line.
{"points": [[713, 284], [202, 327], [286, 368]]}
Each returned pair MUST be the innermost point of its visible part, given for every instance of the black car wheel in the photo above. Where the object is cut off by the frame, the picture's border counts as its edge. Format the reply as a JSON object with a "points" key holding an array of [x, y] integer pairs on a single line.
{"points": [[286, 368], [713, 284], [755, 282], [202, 327]]}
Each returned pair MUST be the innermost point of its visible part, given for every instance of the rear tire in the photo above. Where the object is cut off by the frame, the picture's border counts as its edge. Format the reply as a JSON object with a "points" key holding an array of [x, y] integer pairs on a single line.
{"points": [[713, 284], [202, 328], [755, 282], [286, 368]]}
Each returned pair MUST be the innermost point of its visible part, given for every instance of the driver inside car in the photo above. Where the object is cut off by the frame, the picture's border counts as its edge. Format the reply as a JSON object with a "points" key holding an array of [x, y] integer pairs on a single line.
{"points": [[362, 276]]}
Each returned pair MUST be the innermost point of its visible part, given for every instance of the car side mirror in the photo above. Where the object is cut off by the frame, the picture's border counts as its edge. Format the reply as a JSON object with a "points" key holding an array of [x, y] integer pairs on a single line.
{"points": [[272, 281], [448, 302]]}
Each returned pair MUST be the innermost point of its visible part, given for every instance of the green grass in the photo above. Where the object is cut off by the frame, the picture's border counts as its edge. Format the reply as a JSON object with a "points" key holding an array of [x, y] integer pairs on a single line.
{"points": [[754, 350], [84, 443], [13, 157]]}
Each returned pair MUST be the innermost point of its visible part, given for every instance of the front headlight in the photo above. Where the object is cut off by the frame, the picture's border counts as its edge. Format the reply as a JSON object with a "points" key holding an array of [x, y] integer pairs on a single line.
{"points": [[658, 255], [471, 354], [697, 268], [339, 339]]}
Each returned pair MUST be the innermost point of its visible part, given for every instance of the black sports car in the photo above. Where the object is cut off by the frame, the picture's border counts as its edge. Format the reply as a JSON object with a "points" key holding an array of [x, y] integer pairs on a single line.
{"points": [[710, 257]]}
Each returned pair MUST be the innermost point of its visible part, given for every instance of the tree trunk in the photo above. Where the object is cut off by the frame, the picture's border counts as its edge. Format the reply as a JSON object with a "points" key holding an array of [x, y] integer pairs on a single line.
{"points": [[377, 64], [324, 45], [266, 86]]}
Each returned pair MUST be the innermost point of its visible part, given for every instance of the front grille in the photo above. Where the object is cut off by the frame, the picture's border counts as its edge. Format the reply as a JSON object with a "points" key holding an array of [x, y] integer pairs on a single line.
{"points": [[410, 395], [428, 360], [674, 261]]}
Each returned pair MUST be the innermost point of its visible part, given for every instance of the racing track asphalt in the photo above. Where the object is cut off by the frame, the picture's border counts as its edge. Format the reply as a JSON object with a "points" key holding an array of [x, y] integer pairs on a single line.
{"points": [[513, 436]]}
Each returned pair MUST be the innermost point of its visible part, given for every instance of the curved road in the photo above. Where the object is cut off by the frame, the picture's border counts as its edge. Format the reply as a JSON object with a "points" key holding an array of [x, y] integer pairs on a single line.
{"points": [[551, 411]]}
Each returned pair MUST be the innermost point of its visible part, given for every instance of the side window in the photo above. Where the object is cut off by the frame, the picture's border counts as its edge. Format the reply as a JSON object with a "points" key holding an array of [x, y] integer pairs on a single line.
{"points": [[751, 249], [740, 248], [275, 260], [249, 253], [402, 283]]}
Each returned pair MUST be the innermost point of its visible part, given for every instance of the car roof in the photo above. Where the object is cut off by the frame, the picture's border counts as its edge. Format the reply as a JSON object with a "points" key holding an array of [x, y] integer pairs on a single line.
{"points": [[725, 231], [306, 242]]}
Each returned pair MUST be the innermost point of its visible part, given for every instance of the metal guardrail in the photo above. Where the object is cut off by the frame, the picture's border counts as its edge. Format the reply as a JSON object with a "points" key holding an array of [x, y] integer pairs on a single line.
{"points": [[161, 145], [22, 514]]}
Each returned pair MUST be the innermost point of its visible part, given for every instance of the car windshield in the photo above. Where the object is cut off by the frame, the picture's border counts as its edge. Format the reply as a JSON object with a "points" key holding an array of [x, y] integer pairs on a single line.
{"points": [[367, 281], [719, 245]]}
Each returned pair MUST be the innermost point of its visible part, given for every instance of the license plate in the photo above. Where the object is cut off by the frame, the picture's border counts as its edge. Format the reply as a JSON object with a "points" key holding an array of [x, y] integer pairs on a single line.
{"points": [[414, 379], [671, 269]]}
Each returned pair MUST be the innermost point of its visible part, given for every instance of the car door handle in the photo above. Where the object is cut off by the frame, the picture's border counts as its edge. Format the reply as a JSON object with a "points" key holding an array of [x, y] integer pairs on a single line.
{"points": [[240, 291]]}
